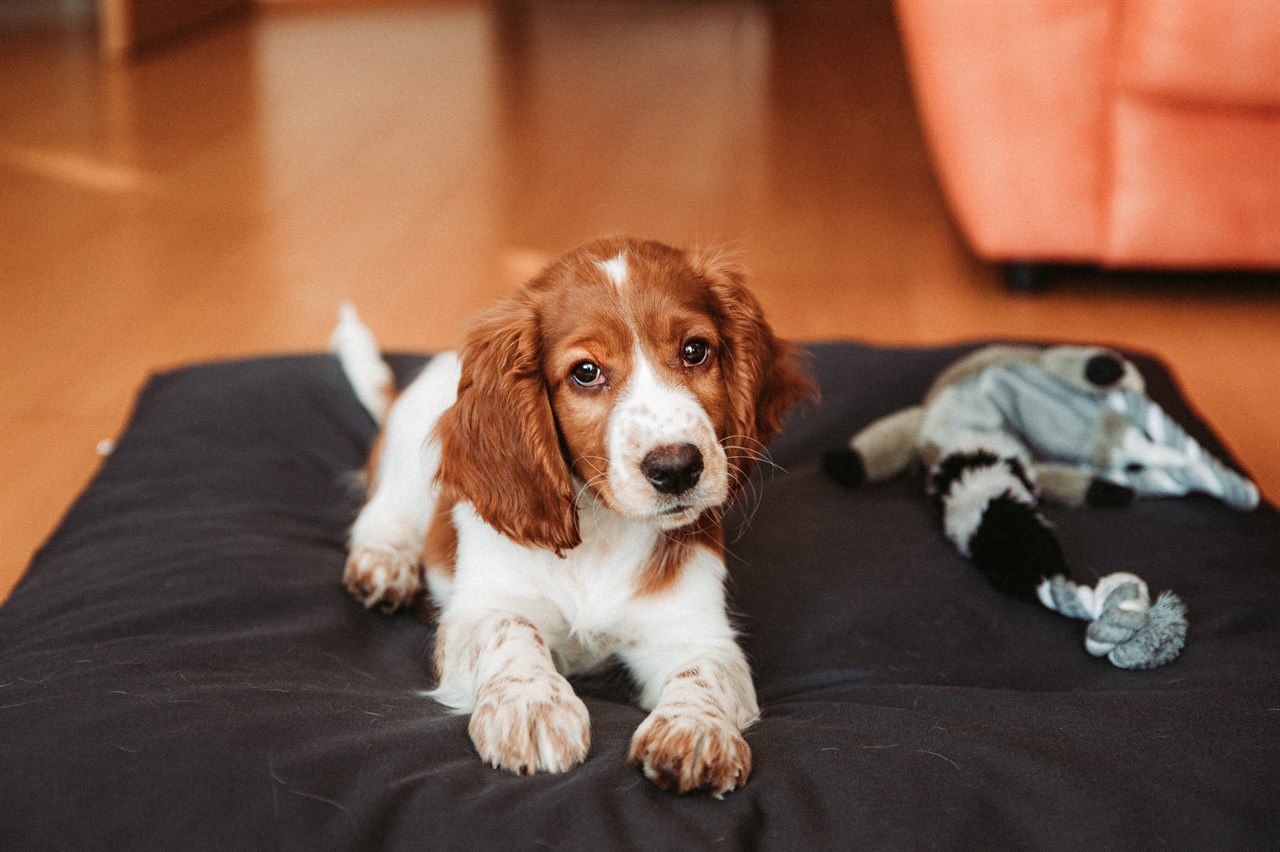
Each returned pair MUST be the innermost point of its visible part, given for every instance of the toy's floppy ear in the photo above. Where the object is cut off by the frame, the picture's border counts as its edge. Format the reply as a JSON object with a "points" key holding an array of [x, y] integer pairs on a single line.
{"points": [[1092, 369], [500, 447], [881, 451]]}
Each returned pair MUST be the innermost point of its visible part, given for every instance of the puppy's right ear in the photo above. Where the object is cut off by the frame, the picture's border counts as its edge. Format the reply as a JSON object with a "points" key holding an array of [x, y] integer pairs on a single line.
{"points": [[500, 447]]}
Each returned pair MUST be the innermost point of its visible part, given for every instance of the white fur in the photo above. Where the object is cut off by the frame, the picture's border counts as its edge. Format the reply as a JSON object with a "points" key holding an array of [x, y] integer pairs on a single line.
{"points": [[368, 374], [651, 414], [615, 269]]}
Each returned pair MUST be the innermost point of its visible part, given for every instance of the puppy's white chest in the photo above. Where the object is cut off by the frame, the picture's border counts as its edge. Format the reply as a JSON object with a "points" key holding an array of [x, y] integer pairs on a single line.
{"points": [[593, 590], [581, 604]]}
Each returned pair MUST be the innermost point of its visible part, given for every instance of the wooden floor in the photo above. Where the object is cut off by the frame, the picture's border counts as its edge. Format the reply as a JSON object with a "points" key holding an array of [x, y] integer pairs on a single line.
{"points": [[220, 196]]}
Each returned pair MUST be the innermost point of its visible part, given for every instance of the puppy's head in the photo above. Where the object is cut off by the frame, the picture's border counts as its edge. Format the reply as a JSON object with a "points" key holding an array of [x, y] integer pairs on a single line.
{"points": [[642, 373]]}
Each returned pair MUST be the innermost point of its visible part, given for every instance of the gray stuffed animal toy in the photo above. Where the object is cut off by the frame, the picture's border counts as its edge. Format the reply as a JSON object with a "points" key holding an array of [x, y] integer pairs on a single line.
{"points": [[1009, 424]]}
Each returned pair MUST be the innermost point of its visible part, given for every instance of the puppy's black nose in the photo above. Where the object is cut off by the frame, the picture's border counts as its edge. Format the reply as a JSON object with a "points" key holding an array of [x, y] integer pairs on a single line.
{"points": [[673, 468], [1103, 370]]}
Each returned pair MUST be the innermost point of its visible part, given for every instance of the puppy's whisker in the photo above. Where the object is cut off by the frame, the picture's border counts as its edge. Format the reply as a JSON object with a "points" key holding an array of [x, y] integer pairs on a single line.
{"points": [[585, 488], [756, 456], [591, 462], [747, 438]]}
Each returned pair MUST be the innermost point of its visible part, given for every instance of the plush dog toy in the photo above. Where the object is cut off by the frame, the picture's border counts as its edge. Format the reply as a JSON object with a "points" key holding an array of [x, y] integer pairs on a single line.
{"points": [[1008, 424]]}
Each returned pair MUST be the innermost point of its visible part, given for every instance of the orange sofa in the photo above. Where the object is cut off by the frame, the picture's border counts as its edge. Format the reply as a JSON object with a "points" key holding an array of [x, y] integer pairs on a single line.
{"points": [[1122, 133]]}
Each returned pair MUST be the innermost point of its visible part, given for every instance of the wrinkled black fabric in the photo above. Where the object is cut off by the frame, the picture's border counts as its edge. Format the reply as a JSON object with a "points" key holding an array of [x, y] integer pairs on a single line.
{"points": [[180, 668]]}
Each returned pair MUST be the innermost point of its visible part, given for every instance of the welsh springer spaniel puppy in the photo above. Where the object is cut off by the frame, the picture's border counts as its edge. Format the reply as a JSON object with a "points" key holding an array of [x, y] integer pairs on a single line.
{"points": [[558, 487]]}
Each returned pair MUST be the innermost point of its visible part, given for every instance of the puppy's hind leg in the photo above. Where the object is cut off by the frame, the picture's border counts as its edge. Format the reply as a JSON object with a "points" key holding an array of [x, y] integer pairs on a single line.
{"points": [[384, 567]]}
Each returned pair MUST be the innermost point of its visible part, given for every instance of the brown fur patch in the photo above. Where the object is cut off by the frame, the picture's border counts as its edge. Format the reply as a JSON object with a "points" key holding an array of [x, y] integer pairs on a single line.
{"points": [[500, 449], [371, 465], [672, 553], [440, 549]]}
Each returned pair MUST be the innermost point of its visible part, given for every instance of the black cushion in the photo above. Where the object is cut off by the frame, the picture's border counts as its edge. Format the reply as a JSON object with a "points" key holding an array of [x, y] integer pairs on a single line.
{"points": [[180, 668]]}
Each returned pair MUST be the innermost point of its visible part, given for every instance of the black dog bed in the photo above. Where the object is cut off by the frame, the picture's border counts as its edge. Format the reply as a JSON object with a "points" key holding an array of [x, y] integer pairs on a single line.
{"points": [[180, 668]]}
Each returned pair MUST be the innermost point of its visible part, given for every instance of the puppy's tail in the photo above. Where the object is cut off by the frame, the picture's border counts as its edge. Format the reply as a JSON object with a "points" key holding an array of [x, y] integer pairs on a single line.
{"points": [[356, 350]]}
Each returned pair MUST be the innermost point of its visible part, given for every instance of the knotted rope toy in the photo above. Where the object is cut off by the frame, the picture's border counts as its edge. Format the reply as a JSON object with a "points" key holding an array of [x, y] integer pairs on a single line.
{"points": [[1007, 425]]}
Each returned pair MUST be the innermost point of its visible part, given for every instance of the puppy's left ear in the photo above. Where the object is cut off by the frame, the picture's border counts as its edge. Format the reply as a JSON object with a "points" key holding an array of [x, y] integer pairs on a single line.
{"points": [[764, 375], [500, 446]]}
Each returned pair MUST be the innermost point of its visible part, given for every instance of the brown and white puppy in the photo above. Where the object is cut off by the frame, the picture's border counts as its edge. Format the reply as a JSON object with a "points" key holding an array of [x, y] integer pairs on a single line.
{"points": [[557, 487]]}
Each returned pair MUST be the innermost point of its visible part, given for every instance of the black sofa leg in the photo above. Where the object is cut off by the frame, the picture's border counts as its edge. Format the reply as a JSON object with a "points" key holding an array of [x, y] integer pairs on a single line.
{"points": [[1024, 277]]}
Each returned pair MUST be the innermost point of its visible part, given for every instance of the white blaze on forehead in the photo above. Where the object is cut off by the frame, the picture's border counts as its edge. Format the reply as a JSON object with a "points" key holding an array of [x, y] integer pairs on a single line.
{"points": [[615, 268]]}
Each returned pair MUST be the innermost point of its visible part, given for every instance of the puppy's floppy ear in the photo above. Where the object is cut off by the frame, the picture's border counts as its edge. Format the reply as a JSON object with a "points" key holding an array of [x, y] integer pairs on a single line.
{"points": [[501, 449], [764, 375]]}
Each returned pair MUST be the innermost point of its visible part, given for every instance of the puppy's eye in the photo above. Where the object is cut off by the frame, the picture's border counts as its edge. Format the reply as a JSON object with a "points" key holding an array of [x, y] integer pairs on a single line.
{"points": [[587, 374], [695, 352]]}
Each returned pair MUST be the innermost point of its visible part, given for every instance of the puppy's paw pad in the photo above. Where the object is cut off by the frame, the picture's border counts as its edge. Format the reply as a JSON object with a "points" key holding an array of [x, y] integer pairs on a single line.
{"points": [[382, 575], [529, 724], [686, 752]]}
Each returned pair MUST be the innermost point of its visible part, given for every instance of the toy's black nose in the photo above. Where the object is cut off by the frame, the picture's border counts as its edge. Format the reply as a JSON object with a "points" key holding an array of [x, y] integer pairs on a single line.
{"points": [[673, 468], [1103, 370]]}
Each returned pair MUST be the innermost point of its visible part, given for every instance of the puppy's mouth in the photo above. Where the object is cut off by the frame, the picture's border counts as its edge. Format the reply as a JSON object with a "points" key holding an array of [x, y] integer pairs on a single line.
{"points": [[680, 515], [666, 518]]}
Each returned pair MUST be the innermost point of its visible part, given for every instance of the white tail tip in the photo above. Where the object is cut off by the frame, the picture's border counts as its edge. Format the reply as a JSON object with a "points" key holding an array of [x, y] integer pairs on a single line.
{"points": [[357, 351]]}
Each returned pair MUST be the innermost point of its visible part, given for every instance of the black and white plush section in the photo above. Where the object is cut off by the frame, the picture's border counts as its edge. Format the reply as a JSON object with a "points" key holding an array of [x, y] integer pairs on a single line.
{"points": [[181, 668], [990, 512], [990, 509], [966, 483]]}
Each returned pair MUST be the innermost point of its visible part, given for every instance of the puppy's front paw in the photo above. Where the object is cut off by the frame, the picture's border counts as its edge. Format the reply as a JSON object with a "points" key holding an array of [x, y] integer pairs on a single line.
{"points": [[691, 751], [528, 724], [387, 576]]}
